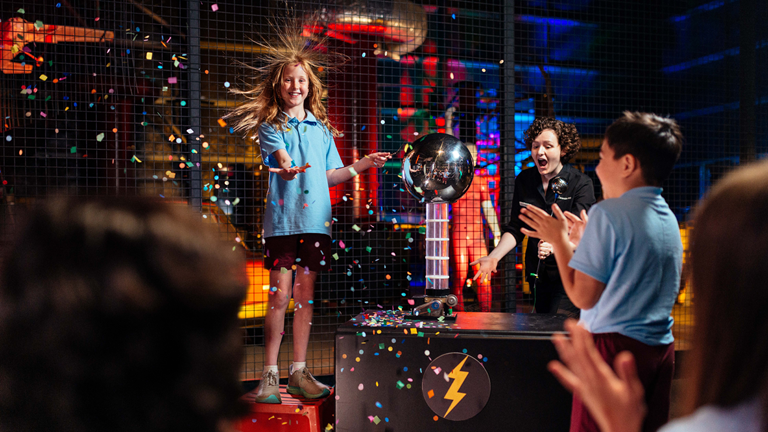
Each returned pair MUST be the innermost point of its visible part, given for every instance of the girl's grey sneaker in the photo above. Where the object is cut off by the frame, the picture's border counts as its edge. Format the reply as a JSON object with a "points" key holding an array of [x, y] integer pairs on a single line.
{"points": [[268, 390], [303, 383]]}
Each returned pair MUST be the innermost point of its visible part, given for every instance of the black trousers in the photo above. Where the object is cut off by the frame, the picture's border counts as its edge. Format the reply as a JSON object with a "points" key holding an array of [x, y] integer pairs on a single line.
{"points": [[550, 298]]}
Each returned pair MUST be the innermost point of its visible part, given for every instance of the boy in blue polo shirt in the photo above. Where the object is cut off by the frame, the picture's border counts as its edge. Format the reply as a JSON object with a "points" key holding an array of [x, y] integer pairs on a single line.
{"points": [[625, 273]]}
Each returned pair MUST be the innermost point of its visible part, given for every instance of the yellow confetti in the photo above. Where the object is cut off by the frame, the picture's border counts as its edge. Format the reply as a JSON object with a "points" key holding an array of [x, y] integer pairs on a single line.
{"points": [[149, 56], [43, 77]]}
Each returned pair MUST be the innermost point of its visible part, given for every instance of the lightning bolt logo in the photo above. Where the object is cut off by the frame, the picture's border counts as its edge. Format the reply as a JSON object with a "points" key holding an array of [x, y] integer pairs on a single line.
{"points": [[453, 393]]}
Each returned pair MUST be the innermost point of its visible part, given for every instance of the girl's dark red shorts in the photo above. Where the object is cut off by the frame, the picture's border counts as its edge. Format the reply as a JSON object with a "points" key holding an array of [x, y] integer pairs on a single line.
{"points": [[302, 250]]}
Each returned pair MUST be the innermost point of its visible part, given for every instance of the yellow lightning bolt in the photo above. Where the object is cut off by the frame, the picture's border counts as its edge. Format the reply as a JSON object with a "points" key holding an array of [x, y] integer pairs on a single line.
{"points": [[453, 393]]}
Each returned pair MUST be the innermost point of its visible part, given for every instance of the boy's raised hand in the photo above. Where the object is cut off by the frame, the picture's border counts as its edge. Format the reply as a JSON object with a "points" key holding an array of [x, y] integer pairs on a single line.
{"points": [[576, 226], [615, 399], [543, 226]]}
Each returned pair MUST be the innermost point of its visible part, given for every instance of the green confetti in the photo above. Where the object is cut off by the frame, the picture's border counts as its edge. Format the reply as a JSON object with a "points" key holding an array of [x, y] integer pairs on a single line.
{"points": [[355, 227], [99, 137], [352, 171], [39, 24], [21, 11], [73, 149], [214, 199], [368, 249], [283, 270], [336, 256], [376, 420], [399, 385], [422, 230]]}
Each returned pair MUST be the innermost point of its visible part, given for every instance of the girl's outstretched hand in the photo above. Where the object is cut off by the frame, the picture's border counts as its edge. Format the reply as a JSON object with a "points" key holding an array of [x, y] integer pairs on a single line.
{"points": [[288, 174], [378, 159], [615, 399]]}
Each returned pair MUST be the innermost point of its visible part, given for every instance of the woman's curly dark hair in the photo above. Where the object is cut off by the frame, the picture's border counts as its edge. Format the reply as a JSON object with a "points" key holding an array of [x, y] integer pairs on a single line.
{"points": [[567, 135]]}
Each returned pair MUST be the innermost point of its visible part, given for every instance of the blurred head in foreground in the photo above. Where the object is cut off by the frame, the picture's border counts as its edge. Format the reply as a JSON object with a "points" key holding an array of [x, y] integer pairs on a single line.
{"points": [[121, 315]]}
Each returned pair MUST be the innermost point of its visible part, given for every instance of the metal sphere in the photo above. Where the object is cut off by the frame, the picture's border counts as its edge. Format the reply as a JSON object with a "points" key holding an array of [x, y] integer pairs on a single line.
{"points": [[559, 185], [438, 169]]}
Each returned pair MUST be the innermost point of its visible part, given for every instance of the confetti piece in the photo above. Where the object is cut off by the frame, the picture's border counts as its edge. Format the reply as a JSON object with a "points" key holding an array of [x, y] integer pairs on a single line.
{"points": [[355, 227], [21, 11], [431, 393], [39, 24], [99, 137], [73, 149], [172, 80], [360, 387], [214, 7], [352, 171], [43, 77], [222, 123], [149, 56]]}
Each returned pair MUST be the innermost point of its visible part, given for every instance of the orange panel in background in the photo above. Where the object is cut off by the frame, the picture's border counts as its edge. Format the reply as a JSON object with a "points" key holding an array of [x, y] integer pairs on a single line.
{"points": [[255, 304]]}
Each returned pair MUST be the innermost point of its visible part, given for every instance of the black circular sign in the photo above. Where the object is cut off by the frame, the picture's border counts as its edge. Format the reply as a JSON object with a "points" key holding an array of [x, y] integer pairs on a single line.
{"points": [[456, 386]]}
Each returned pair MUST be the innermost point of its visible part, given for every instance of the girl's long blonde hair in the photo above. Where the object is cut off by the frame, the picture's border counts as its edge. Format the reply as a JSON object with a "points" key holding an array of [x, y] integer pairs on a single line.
{"points": [[264, 102]]}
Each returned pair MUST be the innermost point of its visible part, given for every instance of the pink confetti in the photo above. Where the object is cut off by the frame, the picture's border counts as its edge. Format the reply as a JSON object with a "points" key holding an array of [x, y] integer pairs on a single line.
{"points": [[411, 302], [214, 7], [171, 80], [341, 243], [43, 114]]}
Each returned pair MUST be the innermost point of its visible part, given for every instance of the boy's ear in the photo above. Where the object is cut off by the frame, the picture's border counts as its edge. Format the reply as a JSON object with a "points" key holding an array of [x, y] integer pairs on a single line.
{"points": [[629, 164]]}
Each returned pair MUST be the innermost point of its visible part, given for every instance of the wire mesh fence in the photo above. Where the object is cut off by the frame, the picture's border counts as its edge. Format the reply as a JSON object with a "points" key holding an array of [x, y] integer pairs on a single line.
{"points": [[130, 98]]}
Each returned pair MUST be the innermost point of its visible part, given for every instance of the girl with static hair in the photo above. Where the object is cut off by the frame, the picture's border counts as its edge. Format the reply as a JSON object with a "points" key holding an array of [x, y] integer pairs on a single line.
{"points": [[729, 368], [297, 143]]}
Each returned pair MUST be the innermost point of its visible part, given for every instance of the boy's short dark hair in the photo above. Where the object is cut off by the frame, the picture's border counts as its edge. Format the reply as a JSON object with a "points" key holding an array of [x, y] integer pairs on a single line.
{"points": [[655, 141]]}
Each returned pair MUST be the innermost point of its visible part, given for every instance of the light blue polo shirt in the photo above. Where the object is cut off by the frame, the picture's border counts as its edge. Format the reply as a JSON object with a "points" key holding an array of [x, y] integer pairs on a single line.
{"points": [[302, 205], [632, 244]]}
